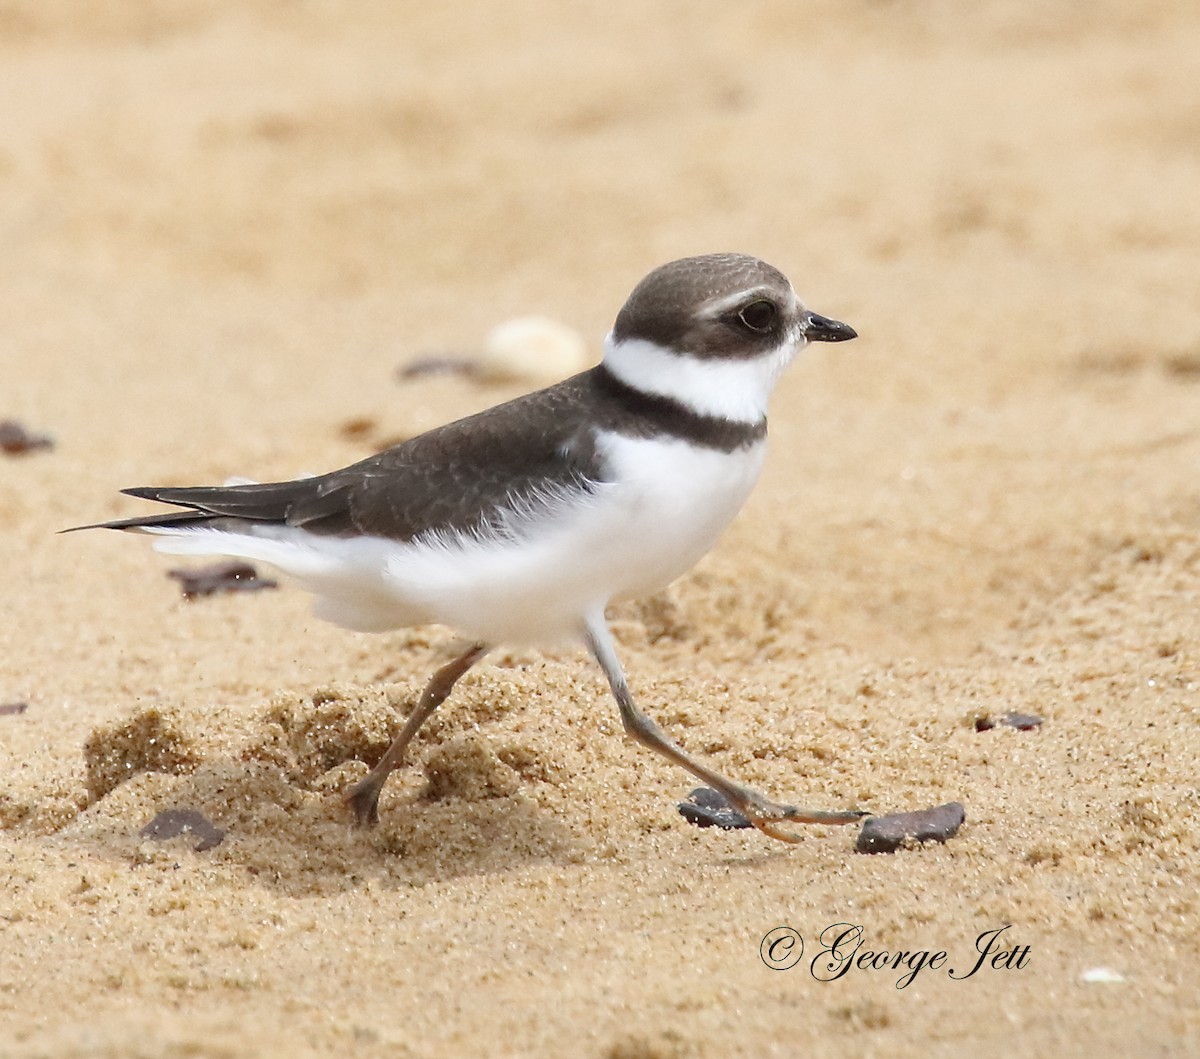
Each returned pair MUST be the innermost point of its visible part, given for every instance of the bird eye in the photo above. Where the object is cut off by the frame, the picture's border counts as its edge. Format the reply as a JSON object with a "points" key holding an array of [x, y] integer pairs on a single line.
{"points": [[759, 316]]}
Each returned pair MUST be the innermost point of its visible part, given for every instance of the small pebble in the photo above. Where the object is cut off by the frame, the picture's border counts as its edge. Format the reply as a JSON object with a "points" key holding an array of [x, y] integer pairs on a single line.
{"points": [[9, 709], [172, 822], [358, 428], [220, 577], [366, 431], [1102, 975], [15, 440], [886, 834], [1023, 722], [708, 808], [440, 364]]}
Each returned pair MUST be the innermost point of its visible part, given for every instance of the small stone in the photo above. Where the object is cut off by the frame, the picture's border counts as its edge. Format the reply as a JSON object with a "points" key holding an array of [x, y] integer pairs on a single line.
{"points": [[15, 440], [172, 822], [9, 709], [1102, 976], [886, 834], [220, 577], [358, 428], [437, 364], [1023, 722], [708, 808]]}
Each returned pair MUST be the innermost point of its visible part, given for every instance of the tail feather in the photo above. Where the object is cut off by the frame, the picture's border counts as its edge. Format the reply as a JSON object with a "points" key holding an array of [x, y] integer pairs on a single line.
{"points": [[258, 502], [319, 504], [270, 501], [170, 520]]}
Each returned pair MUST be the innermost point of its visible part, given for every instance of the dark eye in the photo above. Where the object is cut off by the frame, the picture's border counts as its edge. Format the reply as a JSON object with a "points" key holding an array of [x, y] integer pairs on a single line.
{"points": [[759, 316]]}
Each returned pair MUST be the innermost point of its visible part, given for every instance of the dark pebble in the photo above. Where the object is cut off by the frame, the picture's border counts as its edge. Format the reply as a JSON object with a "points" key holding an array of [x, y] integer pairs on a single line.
{"points": [[15, 440], [1023, 722], [8, 709], [172, 822], [708, 808], [886, 834], [220, 577]]}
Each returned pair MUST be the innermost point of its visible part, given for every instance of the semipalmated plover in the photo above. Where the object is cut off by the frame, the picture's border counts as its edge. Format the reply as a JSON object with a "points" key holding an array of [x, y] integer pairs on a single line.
{"points": [[521, 524]]}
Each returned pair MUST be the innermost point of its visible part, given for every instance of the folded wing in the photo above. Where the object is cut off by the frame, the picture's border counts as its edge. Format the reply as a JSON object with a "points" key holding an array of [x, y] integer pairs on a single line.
{"points": [[454, 478]]}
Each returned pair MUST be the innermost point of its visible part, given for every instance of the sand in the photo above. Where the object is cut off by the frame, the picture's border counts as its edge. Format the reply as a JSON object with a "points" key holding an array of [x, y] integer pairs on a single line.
{"points": [[226, 225]]}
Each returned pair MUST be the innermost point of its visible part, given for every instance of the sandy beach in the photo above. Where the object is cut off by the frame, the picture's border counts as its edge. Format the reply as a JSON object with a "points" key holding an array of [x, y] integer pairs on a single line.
{"points": [[225, 229]]}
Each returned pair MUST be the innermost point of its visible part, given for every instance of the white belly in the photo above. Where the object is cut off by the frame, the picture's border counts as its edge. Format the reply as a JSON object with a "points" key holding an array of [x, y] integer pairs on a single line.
{"points": [[664, 507], [667, 504]]}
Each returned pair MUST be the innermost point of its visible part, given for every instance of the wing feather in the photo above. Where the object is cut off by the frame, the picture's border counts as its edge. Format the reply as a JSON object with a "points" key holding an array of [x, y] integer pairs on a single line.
{"points": [[454, 478]]}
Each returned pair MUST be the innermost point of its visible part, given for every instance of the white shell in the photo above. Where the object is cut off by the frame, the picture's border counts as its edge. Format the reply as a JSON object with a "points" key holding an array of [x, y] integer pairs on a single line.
{"points": [[533, 349], [1104, 975]]}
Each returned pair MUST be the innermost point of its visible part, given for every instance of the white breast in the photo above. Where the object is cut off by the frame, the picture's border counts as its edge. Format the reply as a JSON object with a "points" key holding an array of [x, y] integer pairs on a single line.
{"points": [[674, 501], [666, 503]]}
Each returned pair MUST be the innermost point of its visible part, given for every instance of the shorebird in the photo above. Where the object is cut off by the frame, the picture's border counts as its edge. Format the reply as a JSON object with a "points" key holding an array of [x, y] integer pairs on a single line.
{"points": [[521, 524]]}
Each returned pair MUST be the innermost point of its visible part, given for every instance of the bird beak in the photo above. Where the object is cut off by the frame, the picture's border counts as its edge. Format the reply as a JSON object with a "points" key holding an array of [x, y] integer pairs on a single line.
{"points": [[821, 329]]}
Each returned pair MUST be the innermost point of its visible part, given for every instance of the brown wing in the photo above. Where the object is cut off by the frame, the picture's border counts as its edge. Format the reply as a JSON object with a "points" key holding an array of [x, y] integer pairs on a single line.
{"points": [[454, 477]]}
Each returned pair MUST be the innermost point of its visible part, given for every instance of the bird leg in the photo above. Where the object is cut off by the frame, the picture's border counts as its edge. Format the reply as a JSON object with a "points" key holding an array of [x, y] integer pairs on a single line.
{"points": [[363, 797], [759, 810]]}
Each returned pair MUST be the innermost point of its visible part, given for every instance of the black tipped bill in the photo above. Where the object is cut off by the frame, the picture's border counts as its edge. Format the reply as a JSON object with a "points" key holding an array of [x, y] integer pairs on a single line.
{"points": [[822, 329]]}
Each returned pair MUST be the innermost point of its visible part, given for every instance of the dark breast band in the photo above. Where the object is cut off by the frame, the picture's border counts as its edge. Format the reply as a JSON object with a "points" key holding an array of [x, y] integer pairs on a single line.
{"points": [[626, 410]]}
